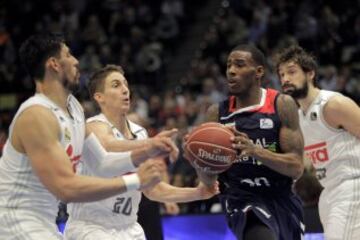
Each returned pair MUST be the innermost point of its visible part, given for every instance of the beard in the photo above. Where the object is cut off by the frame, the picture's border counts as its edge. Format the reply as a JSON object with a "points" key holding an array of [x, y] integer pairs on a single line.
{"points": [[297, 92], [72, 86]]}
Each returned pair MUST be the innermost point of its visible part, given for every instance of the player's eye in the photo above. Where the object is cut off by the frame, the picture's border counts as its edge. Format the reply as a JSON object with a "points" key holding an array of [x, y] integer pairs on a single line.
{"points": [[291, 72]]}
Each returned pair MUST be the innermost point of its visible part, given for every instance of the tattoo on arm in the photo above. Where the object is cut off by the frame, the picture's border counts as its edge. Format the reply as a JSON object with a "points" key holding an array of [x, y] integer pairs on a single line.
{"points": [[291, 138], [212, 113]]}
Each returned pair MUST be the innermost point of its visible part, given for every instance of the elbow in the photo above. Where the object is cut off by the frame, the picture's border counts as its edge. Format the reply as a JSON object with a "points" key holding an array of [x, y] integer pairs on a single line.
{"points": [[65, 196], [106, 145], [298, 170], [66, 192]]}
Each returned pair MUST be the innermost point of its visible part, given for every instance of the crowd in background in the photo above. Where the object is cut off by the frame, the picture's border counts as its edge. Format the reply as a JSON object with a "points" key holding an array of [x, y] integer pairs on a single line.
{"points": [[142, 36]]}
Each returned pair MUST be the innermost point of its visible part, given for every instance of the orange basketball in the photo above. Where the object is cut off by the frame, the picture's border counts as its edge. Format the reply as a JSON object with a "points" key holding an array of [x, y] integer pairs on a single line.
{"points": [[209, 149]]}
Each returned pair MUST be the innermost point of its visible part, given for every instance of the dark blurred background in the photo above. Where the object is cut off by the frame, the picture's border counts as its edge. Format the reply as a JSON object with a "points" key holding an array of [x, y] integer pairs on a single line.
{"points": [[174, 55]]}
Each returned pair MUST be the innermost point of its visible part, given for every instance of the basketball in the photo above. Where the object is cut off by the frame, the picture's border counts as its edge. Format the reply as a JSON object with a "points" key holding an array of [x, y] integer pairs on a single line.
{"points": [[209, 149]]}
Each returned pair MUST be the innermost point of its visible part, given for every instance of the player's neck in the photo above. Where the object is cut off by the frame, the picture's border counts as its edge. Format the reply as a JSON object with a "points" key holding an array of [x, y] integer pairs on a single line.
{"points": [[55, 91], [250, 98], [306, 102]]}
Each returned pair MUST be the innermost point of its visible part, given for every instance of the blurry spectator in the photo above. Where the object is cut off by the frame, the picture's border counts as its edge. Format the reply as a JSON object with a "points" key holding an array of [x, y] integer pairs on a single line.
{"points": [[89, 61], [173, 7], [258, 26], [210, 91], [93, 32], [328, 81]]}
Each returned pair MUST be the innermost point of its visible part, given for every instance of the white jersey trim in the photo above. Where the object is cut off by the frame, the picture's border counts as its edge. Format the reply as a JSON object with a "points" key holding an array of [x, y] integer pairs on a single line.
{"points": [[249, 108]]}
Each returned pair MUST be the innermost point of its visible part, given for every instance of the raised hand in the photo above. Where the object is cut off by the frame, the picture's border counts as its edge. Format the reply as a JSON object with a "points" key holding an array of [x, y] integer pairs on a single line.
{"points": [[174, 154], [167, 133], [161, 147]]}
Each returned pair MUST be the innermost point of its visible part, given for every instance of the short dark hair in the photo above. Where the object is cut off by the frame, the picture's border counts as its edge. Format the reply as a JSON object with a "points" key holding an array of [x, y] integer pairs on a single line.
{"points": [[298, 55], [97, 79], [256, 54], [37, 49]]}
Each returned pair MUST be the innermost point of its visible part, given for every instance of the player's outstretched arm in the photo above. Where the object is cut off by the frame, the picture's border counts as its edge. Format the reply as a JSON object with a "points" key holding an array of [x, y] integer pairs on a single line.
{"points": [[101, 138], [110, 164], [290, 161], [106, 137], [53, 167], [342, 112], [164, 192]]}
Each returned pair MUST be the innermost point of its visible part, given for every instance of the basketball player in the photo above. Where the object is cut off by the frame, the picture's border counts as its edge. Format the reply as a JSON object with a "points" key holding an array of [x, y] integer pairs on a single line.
{"points": [[256, 192], [45, 137], [331, 126], [116, 217]]}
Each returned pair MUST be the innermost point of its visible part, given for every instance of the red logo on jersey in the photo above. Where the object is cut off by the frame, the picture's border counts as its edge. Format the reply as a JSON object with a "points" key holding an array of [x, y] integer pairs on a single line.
{"points": [[74, 159], [317, 152]]}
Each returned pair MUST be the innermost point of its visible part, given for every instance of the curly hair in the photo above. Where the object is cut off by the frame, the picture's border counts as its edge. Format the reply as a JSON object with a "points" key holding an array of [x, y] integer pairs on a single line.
{"points": [[299, 56]]}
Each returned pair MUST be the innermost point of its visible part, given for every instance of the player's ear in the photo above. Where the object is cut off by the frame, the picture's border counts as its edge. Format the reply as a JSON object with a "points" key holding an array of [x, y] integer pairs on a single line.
{"points": [[311, 75], [52, 63], [99, 97], [260, 71]]}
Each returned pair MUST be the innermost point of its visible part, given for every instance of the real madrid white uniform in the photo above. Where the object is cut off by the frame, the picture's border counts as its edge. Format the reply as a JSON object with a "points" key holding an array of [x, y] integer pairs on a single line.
{"points": [[27, 209], [114, 217], [335, 154]]}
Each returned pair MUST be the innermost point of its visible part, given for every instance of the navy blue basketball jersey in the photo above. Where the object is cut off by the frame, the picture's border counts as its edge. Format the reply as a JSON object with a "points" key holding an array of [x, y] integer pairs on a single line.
{"points": [[262, 124]]}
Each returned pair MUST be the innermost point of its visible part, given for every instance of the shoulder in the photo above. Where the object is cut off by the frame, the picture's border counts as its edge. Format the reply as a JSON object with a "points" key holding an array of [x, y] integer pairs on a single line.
{"points": [[96, 118], [339, 110], [37, 113], [39, 118], [337, 102], [212, 113], [214, 108], [287, 110], [284, 101], [97, 127]]}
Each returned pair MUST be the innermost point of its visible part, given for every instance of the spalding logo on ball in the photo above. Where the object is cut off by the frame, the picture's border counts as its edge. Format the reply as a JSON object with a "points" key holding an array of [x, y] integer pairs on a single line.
{"points": [[209, 148]]}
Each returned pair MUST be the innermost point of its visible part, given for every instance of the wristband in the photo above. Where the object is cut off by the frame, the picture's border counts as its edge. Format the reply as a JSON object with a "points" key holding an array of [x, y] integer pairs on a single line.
{"points": [[132, 181]]}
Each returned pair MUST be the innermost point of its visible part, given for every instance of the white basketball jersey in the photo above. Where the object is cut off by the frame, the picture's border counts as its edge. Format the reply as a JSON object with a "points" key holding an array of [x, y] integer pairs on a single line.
{"points": [[334, 153], [20, 188], [115, 211]]}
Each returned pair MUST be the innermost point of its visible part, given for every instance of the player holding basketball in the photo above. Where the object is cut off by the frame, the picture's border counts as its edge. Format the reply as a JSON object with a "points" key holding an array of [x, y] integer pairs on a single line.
{"points": [[331, 126], [116, 217], [45, 137], [256, 191]]}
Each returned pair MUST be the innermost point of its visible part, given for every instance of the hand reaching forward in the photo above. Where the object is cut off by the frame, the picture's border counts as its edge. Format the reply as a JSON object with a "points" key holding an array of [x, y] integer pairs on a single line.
{"points": [[174, 154], [206, 192], [161, 147]]}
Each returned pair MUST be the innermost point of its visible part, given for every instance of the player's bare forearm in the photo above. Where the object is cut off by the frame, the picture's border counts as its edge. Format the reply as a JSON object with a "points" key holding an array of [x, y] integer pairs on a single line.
{"points": [[88, 189], [288, 164], [164, 192]]}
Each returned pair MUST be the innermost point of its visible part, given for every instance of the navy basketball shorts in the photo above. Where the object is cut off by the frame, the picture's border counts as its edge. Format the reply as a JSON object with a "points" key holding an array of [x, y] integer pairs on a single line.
{"points": [[282, 213]]}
